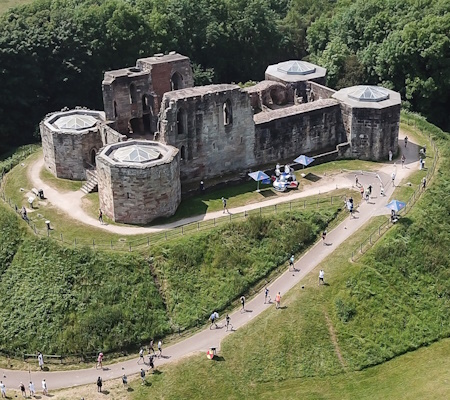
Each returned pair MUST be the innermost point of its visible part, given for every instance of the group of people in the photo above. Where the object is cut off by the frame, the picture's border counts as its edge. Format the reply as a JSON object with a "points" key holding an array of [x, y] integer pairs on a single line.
{"points": [[23, 390]]}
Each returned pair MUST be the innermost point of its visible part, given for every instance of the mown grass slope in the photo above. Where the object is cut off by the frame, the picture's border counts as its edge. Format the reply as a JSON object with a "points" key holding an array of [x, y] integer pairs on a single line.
{"points": [[206, 272], [394, 300]]}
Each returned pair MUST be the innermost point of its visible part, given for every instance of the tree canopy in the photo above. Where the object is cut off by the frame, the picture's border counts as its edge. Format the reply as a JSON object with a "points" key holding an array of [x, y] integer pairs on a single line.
{"points": [[53, 53]]}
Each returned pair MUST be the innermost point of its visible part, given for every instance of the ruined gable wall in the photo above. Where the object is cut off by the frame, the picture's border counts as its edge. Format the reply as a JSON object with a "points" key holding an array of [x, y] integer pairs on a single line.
{"points": [[209, 148]]}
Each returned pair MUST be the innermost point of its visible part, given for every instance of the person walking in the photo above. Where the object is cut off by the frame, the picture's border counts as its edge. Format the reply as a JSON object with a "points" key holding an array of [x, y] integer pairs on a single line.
{"points": [[151, 348], [100, 216], [361, 190], [22, 389], [99, 384], [277, 300], [3, 389], [291, 262], [424, 182], [143, 376], [321, 276], [224, 203], [151, 363], [228, 319], [44, 388], [99, 360], [141, 356], [124, 380], [393, 179], [356, 181], [212, 318], [243, 303], [403, 160], [41, 360], [266, 295], [406, 141], [31, 388], [324, 235], [390, 155], [160, 348]]}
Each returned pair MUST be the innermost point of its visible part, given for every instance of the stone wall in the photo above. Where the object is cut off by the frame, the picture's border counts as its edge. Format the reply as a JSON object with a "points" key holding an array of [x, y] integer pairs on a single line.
{"points": [[194, 121], [310, 128], [315, 91], [127, 97], [136, 193], [109, 135], [68, 154], [372, 132]]}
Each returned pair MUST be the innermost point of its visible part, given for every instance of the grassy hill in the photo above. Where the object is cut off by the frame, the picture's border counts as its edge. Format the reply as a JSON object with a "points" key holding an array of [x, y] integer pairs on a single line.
{"points": [[393, 300]]}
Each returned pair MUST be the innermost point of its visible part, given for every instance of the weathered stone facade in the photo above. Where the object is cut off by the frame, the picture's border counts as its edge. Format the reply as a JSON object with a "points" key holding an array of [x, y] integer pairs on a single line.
{"points": [[302, 129], [371, 118], [213, 128], [70, 141], [132, 96], [138, 191]]}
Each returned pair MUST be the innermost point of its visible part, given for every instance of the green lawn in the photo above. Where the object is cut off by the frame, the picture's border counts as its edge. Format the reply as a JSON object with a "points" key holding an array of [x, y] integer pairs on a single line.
{"points": [[395, 299]]}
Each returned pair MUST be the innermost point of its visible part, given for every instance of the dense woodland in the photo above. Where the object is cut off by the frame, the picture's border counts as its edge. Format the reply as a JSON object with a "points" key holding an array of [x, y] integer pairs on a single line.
{"points": [[53, 53]]}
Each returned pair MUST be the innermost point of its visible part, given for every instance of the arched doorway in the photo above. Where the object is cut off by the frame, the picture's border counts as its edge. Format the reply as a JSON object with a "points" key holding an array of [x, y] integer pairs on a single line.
{"points": [[176, 81]]}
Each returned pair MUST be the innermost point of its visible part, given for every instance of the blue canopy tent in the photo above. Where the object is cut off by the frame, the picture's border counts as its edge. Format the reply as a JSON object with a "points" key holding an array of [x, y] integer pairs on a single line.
{"points": [[258, 176], [396, 205], [304, 160]]}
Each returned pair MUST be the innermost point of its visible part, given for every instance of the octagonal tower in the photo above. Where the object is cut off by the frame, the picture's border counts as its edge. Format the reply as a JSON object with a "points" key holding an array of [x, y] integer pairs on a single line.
{"points": [[138, 181]]}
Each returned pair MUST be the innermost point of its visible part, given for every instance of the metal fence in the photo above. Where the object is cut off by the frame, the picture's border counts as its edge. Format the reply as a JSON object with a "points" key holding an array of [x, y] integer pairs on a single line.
{"points": [[367, 243], [156, 238]]}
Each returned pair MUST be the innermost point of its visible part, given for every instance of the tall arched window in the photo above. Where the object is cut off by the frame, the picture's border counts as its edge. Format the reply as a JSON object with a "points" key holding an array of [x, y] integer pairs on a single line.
{"points": [[181, 121], [176, 81], [116, 114], [145, 103], [183, 153], [133, 94], [227, 113]]}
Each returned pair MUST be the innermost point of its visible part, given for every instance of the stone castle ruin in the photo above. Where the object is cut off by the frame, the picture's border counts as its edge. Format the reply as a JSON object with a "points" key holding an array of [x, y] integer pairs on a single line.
{"points": [[158, 131]]}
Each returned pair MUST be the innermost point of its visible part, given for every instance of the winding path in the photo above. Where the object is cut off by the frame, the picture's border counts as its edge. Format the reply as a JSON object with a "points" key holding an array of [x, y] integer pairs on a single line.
{"points": [[207, 338]]}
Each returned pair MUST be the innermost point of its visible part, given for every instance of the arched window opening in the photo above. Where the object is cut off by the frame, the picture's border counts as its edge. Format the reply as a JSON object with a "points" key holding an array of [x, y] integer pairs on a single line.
{"points": [[181, 122], [116, 114], [176, 81], [183, 153], [133, 94], [227, 113], [93, 154], [145, 106]]}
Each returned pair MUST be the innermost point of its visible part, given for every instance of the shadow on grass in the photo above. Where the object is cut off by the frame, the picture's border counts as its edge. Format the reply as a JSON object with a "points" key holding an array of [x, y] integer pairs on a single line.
{"points": [[312, 177], [268, 193], [129, 389], [219, 358], [106, 392], [157, 372]]}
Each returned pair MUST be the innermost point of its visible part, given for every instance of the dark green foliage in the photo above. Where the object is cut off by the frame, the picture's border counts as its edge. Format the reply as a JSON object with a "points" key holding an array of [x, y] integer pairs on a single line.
{"points": [[206, 272], [402, 45], [74, 301]]}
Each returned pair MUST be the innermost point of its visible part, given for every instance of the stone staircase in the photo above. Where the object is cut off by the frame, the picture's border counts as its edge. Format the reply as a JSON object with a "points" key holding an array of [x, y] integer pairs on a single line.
{"points": [[91, 185]]}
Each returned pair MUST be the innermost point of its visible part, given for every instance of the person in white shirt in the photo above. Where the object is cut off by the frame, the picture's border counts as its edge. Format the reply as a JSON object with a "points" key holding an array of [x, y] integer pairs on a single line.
{"points": [[44, 388], [41, 361], [31, 387], [321, 276], [3, 389]]}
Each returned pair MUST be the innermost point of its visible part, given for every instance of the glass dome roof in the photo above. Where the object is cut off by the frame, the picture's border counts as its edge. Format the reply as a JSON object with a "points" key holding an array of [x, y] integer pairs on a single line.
{"points": [[369, 93], [136, 153], [76, 122], [296, 68]]}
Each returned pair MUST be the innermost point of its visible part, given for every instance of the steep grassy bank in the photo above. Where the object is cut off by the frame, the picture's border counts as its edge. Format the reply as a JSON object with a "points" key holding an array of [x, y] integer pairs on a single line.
{"points": [[394, 300]]}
